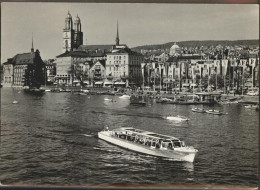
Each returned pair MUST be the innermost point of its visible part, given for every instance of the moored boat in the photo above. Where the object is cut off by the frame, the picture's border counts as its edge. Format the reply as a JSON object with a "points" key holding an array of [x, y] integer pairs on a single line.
{"points": [[15, 102], [199, 110], [149, 143], [125, 96], [215, 112], [137, 100], [251, 107]]}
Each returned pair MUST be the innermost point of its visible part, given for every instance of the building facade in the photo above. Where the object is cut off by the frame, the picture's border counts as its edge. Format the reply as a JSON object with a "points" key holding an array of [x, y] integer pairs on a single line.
{"points": [[123, 67], [25, 69]]}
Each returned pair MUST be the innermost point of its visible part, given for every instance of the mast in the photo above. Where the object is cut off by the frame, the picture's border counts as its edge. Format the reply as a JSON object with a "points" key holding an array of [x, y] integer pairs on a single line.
{"points": [[217, 73]]}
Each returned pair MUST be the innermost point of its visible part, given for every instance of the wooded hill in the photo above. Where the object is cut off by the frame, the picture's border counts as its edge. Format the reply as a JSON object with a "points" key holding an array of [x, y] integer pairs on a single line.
{"points": [[206, 43]]}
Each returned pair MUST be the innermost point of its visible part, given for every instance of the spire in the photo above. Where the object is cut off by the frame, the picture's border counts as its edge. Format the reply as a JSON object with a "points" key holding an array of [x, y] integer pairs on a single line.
{"points": [[32, 50], [117, 36]]}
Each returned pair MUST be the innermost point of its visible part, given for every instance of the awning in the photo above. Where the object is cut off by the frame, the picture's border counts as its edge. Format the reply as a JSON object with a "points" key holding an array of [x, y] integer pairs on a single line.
{"points": [[109, 83], [119, 82], [193, 84], [86, 82], [75, 81], [99, 82]]}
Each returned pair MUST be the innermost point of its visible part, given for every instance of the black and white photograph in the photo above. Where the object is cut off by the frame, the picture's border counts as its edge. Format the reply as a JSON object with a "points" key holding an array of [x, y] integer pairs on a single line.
{"points": [[129, 95]]}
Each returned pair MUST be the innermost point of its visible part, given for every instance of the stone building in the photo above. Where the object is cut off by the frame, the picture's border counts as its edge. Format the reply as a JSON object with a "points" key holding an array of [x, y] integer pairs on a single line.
{"points": [[26, 69], [123, 67]]}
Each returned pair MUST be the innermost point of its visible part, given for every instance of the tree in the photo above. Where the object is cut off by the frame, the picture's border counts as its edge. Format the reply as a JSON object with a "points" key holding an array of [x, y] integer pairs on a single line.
{"points": [[76, 71]]}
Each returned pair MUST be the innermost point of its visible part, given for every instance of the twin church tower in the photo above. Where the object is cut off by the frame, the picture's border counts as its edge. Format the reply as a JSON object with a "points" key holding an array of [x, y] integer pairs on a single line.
{"points": [[72, 37]]}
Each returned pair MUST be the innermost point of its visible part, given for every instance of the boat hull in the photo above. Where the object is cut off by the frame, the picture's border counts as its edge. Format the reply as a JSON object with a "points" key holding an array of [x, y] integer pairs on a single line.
{"points": [[179, 155], [214, 113]]}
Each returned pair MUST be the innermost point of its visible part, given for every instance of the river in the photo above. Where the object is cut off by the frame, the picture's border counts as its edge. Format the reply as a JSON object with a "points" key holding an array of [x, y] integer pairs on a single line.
{"points": [[52, 140]]}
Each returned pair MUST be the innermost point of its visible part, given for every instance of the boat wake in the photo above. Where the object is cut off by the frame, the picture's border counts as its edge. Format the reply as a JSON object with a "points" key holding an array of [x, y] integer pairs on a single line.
{"points": [[177, 118], [131, 115], [87, 135]]}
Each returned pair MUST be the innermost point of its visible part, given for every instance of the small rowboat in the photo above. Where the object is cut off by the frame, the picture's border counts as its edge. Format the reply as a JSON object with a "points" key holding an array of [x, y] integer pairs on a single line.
{"points": [[215, 112], [199, 110]]}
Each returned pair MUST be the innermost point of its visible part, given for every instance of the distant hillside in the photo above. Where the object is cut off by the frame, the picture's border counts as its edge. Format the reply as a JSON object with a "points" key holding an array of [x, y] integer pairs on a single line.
{"points": [[213, 43]]}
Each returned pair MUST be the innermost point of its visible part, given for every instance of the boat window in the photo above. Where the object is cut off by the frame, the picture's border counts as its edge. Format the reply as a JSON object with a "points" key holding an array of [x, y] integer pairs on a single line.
{"points": [[177, 144], [164, 145]]}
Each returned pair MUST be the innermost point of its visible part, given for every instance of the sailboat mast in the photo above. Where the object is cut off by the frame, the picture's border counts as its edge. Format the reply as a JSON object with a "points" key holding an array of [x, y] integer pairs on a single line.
{"points": [[216, 73]]}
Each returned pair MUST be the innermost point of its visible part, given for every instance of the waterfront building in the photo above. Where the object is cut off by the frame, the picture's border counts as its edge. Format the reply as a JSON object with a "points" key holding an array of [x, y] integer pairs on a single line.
{"points": [[73, 59], [8, 70], [97, 73], [26, 69], [50, 70], [123, 66]]}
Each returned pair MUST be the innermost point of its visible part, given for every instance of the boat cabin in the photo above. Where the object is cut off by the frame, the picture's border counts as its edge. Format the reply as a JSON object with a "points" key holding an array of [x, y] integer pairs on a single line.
{"points": [[152, 140]]}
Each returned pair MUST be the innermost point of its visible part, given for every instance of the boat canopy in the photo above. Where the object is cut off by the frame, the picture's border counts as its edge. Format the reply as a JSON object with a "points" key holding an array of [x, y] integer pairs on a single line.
{"points": [[146, 134]]}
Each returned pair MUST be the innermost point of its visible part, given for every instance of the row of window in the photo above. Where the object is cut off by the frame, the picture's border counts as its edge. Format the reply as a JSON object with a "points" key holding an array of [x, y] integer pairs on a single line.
{"points": [[116, 57], [18, 70], [8, 79], [115, 68], [116, 62]]}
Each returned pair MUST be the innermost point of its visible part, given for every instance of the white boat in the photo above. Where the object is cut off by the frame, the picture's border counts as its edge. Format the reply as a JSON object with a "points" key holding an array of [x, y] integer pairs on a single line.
{"points": [[199, 110], [109, 99], [177, 118], [215, 112], [15, 102], [149, 143], [47, 90], [125, 96], [251, 106]]}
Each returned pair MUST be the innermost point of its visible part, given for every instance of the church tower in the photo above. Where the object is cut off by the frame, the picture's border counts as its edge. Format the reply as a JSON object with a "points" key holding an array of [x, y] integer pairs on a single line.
{"points": [[78, 35], [117, 36], [32, 49], [68, 34]]}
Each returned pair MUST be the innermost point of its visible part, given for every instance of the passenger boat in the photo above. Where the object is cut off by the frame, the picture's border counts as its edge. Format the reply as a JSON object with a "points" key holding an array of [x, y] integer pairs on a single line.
{"points": [[215, 112], [125, 96], [149, 143], [199, 110]]}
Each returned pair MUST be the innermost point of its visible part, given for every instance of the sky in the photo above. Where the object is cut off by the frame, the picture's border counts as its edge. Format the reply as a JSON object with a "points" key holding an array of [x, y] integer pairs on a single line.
{"points": [[139, 24]]}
